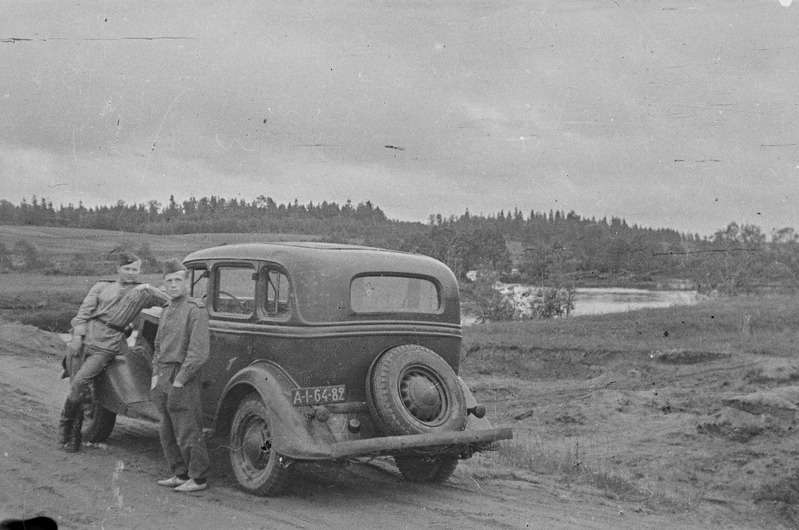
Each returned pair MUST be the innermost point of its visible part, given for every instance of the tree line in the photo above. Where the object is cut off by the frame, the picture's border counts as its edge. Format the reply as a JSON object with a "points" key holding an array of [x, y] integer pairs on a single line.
{"points": [[543, 248]]}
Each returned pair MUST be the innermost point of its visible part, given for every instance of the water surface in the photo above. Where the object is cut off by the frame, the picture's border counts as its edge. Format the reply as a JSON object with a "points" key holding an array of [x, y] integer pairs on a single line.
{"points": [[600, 300], [596, 301]]}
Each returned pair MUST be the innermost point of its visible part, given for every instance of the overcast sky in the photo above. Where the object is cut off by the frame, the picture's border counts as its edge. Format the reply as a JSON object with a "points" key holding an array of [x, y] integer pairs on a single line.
{"points": [[678, 114]]}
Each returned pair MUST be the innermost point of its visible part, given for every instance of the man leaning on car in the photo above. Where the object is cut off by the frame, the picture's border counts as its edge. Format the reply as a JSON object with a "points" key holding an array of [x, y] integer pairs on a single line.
{"points": [[182, 346], [98, 331]]}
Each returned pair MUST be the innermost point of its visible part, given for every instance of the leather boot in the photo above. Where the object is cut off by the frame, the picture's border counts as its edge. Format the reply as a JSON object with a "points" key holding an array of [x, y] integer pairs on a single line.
{"points": [[65, 426], [73, 446], [71, 417]]}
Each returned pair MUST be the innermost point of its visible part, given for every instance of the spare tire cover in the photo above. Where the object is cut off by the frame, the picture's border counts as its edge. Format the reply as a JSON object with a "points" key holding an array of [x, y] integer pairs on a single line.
{"points": [[412, 390]]}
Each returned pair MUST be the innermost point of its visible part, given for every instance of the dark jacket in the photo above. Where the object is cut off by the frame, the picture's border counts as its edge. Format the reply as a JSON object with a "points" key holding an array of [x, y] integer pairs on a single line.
{"points": [[182, 337]]}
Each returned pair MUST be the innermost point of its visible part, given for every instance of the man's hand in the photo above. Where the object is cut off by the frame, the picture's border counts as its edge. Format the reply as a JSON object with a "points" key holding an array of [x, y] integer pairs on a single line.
{"points": [[154, 382], [177, 385], [73, 346], [142, 286]]}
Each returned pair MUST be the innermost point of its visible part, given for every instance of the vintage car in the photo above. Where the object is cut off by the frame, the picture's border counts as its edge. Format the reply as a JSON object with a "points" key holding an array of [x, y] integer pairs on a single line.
{"points": [[318, 352]]}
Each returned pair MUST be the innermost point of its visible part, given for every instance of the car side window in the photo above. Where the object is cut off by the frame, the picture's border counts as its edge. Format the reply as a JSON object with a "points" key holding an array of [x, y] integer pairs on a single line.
{"points": [[234, 291], [277, 294]]}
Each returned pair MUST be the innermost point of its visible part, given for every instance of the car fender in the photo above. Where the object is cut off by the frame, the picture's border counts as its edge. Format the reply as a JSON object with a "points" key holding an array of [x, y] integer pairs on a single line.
{"points": [[295, 433], [124, 382]]}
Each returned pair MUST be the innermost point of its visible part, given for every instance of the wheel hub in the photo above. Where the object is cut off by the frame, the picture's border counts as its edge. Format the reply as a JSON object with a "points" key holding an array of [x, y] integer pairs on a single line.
{"points": [[422, 396], [256, 445]]}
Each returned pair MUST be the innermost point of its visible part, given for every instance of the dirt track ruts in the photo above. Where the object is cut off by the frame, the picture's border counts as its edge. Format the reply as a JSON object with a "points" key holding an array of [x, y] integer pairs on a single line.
{"points": [[113, 485]]}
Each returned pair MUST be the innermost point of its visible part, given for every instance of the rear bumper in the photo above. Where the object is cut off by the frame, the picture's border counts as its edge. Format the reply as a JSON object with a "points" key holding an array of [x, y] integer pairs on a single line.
{"points": [[456, 442]]}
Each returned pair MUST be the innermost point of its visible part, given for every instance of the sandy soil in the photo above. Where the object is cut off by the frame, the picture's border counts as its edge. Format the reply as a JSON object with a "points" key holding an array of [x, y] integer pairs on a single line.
{"points": [[112, 485]]}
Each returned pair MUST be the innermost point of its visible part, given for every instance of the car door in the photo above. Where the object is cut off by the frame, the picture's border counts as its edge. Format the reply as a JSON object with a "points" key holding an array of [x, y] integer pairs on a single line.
{"points": [[231, 302]]}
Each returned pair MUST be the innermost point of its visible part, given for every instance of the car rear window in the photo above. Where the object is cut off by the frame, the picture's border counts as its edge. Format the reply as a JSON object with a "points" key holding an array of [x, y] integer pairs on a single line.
{"points": [[394, 294]]}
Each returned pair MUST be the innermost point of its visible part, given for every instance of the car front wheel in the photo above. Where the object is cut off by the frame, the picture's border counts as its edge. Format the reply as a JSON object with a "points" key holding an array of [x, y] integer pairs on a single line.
{"points": [[98, 421], [256, 464]]}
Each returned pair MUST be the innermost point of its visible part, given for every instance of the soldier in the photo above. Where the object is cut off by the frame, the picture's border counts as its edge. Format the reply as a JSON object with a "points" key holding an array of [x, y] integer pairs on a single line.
{"points": [[181, 348], [97, 334]]}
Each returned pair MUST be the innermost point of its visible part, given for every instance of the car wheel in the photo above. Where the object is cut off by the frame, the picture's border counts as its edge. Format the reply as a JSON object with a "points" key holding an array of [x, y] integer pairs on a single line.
{"points": [[98, 421], [428, 469], [256, 464], [412, 390]]}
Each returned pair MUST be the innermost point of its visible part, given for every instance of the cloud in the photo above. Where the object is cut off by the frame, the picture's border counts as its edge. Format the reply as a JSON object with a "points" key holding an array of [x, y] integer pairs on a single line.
{"points": [[608, 110]]}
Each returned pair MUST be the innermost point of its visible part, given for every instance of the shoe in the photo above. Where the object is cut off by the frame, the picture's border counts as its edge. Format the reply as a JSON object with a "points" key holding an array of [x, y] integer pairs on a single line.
{"points": [[191, 486], [172, 482]]}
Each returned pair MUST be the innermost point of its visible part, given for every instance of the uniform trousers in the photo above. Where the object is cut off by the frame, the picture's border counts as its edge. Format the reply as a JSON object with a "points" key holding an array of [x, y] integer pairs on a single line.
{"points": [[180, 429], [94, 362]]}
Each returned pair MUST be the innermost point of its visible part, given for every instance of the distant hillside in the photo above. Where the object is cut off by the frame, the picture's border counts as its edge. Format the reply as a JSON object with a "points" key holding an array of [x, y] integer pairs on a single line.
{"points": [[59, 242], [536, 248]]}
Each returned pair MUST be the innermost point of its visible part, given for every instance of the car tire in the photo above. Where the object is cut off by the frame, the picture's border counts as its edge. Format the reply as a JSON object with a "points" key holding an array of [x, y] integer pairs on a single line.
{"points": [[424, 469], [98, 421], [412, 390], [257, 466]]}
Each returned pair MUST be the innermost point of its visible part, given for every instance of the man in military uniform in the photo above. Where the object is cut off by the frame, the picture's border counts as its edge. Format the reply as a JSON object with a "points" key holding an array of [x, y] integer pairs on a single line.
{"points": [[97, 334], [181, 348]]}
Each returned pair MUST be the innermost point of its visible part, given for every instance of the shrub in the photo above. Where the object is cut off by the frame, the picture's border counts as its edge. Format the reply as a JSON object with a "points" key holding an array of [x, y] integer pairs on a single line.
{"points": [[148, 258], [513, 302], [553, 301], [492, 305], [27, 256]]}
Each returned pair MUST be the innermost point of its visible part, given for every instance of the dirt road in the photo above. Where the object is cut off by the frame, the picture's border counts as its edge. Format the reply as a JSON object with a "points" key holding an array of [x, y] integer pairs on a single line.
{"points": [[113, 485]]}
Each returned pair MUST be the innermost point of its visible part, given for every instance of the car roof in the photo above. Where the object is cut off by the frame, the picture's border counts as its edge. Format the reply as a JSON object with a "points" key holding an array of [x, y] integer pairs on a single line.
{"points": [[306, 257], [322, 272]]}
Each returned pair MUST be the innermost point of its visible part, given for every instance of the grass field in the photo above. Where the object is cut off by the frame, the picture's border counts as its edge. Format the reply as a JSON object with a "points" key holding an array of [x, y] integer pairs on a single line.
{"points": [[685, 409], [751, 324], [50, 301], [60, 243]]}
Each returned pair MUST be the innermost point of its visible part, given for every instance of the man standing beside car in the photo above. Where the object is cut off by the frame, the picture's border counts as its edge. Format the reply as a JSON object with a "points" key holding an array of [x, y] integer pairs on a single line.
{"points": [[182, 346], [97, 334]]}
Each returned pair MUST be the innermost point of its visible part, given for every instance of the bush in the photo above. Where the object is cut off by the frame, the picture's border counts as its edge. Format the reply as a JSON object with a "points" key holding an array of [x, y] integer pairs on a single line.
{"points": [[149, 260], [513, 302], [553, 301], [27, 255], [492, 305]]}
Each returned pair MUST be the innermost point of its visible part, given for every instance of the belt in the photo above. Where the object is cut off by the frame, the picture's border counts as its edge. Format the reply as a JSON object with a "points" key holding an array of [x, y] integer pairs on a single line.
{"points": [[110, 325]]}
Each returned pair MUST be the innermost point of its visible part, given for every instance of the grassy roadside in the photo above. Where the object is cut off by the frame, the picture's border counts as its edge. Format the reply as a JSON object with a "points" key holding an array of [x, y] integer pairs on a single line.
{"points": [[686, 410], [757, 324]]}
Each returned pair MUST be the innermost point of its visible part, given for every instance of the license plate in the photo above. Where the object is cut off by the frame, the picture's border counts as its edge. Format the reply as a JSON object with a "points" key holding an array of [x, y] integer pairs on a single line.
{"points": [[318, 395]]}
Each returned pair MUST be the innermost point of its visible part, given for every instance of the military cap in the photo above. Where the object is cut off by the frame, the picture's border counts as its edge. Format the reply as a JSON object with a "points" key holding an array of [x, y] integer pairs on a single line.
{"points": [[126, 258], [173, 265]]}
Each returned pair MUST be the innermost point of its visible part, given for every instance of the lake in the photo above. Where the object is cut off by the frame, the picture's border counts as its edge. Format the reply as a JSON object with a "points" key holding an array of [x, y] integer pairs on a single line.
{"points": [[599, 300], [595, 301]]}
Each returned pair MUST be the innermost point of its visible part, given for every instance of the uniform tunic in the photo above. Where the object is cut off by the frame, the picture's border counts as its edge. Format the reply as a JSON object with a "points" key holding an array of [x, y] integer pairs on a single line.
{"points": [[104, 300], [181, 347], [182, 337]]}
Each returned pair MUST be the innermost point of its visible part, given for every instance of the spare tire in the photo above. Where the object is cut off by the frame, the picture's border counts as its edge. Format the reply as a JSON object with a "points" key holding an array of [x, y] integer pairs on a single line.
{"points": [[412, 390]]}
